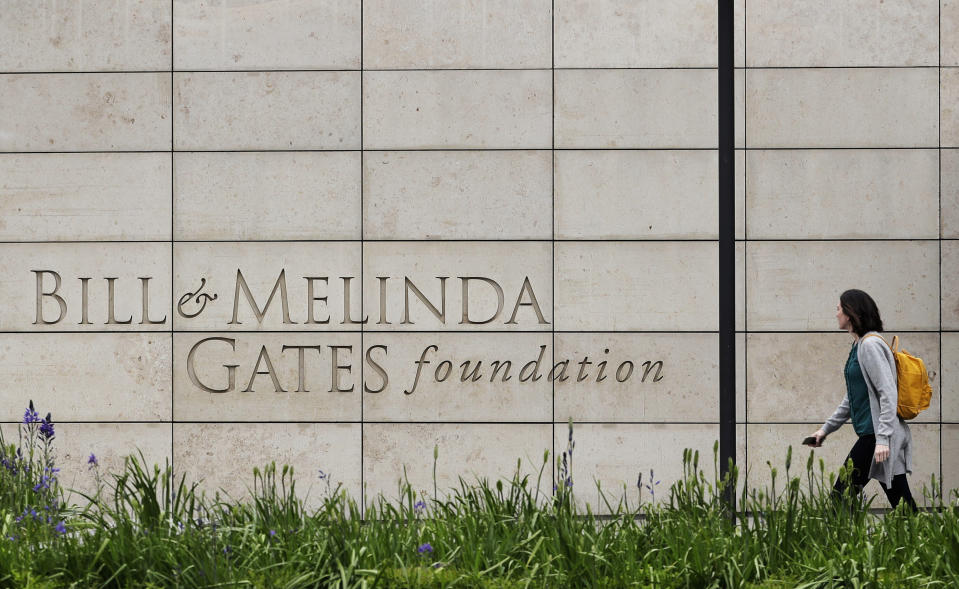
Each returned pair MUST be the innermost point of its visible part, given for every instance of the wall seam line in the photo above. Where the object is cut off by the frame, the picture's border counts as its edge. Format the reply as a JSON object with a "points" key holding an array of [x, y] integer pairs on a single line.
{"points": [[172, 243], [552, 214], [939, 152], [362, 286]]}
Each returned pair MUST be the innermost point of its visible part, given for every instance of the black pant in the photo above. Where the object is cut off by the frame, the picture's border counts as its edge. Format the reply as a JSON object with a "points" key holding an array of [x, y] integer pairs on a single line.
{"points": [[861, 456]]}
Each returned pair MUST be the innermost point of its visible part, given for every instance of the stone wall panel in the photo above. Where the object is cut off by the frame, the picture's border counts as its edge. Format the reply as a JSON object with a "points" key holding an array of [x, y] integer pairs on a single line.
{"points": [[495, 377], [87, 377], [796, 285], [949, 105], [223, 456], [949, 199], [501, 281], [771, 442], [624, 286], [110, 443], [860, 33], [649, 108], [614, 455], [85, 197], [740, 77], [950, 459], [394, 454], [684, 386], [839, 107], [94, 35], [948, 377], [785, 388], [265, 268], [440, 34], [457, 109], [267, 110], [631, 33], [85, 112], [300, 34], [267, 195], [949, 284], [948, 36], [305, 389], [843, 194], [35, 268], [740, 163], [636, 194], [457, 194]]}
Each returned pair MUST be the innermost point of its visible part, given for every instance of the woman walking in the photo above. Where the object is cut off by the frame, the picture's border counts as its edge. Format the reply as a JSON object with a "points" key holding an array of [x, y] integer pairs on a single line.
{"points": [[884, 449]]}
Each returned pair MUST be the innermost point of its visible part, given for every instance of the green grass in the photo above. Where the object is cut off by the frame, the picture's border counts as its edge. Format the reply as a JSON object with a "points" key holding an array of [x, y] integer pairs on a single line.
{"points": [[145, 528]]}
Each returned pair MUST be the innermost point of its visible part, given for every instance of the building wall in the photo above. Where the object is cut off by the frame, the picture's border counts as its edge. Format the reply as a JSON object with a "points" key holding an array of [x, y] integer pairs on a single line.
{"points": [[565, 150], [845, 160]]}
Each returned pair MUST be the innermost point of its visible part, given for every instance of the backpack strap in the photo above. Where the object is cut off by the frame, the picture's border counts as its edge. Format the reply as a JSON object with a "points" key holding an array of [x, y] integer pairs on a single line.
{"points": [[880, 337], [894, 348]]}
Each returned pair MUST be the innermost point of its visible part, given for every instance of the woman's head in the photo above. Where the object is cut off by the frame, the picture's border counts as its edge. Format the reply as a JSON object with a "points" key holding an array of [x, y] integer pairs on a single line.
{"points": [[858, 312]]}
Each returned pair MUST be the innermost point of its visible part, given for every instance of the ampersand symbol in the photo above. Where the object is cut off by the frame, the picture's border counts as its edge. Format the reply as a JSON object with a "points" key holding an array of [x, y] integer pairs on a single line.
{"points": [[198, 298]]}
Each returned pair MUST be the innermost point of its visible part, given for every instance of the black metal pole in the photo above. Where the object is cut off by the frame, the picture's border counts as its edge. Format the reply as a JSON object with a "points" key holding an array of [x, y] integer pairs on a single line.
{"points": [[727, 246]]}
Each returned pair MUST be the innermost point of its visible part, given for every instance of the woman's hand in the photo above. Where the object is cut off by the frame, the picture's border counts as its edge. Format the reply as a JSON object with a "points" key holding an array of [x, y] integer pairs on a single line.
{"points": [[882, 452], [820, 436]]}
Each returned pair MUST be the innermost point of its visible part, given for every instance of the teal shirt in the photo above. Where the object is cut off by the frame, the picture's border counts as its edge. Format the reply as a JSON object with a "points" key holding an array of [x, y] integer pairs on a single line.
{"points": [[858, 394]]}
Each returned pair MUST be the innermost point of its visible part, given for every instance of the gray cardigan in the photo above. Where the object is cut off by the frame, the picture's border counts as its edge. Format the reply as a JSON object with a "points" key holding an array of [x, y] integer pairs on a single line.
{"points": [[879, 369]]}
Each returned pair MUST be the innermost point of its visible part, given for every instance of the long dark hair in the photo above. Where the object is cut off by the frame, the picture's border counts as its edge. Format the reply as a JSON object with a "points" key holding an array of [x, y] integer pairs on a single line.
{"points": [[861, 310]]}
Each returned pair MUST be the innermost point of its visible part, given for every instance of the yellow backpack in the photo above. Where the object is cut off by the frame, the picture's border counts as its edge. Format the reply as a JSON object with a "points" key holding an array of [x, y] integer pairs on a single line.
{"points": [[915, 393]]}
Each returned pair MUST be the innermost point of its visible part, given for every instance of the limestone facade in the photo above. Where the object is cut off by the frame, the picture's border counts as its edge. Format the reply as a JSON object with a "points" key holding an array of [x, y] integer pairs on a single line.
{"points": [[498, 186]]}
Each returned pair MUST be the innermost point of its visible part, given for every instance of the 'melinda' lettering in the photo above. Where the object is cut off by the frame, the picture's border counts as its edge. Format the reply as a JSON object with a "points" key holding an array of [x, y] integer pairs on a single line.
{"points": [[317, 298]]}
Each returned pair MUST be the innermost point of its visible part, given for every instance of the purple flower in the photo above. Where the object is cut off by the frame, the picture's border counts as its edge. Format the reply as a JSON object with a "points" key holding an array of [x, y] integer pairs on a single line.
{"points": [[9, 465], [46, 428], [60, 528], [419, 507], [272, 533], [425, 549], [27, 511], [30, 415], [43, 485], [652, 485], [323, 476], [92, 460]]}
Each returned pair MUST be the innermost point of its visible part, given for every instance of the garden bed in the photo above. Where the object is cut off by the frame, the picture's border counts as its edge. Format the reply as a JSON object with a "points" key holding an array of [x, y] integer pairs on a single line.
{"points": [[145, 528]]}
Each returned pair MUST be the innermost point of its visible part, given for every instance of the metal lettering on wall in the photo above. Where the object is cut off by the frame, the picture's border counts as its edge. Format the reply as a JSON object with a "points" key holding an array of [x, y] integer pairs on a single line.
{"points": [[54, 298]]}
